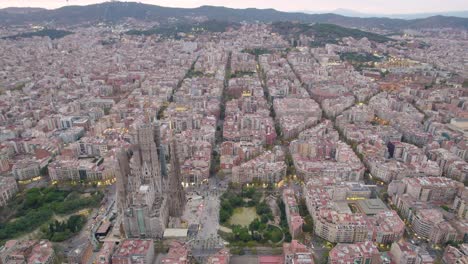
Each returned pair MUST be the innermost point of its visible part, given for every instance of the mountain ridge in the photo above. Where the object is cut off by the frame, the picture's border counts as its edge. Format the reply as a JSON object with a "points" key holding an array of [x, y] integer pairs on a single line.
{"points": [[354, 13], [119, 11]]}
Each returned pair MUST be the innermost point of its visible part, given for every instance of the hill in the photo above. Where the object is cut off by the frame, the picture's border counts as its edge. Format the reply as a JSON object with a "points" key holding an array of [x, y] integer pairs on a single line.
{"points": [[323, 33], [119, 11], [353, 13], [171, 30], [21, 10], [52, 33]]}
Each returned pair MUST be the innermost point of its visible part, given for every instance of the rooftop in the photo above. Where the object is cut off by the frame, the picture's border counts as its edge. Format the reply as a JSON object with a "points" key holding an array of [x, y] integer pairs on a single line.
{"points": [[371, 206], [134, 247]]}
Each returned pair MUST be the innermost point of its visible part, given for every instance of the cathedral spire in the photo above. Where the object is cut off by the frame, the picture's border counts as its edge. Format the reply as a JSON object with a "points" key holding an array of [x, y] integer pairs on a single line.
{"points": [[143, 198], [176, 191]]}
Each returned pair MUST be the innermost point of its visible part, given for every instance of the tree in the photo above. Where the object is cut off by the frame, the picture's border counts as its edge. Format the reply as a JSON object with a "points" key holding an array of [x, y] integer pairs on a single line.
{"points": [[236, 201], [248, 192], [303, 207], [308, 226], [226, 205], [61, 236], [75, 222], [224, 216], [256, 236], [244, 235], [237, 251], [254, 225], [38, 206], [60, 231], [251, 244], [263, 209], [256, 197]]}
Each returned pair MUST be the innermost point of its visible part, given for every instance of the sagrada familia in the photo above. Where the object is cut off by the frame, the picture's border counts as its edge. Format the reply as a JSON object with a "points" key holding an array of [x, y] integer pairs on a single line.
{"points": [[146, 195]]}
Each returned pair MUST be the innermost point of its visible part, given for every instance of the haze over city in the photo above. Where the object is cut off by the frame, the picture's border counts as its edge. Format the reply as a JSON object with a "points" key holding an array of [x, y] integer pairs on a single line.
{"points": [[365, 6]]}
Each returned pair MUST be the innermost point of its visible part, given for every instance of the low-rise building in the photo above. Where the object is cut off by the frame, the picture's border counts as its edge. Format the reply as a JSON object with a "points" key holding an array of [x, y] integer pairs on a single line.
{"points": [[293, 217], [134, 251], [437, 189], [81, 254], [405, 253], [25, 169], [27, 252], [178, 254], [221, 257], [8, 188], [269, 167], [104, 256], [460, 205], [329, 205], [72, 134], [318, 152], [387, 227], [453, 255], [430, 224], [295, 115], [81, 170], [92, 147], [362, 252], [296, 252]]}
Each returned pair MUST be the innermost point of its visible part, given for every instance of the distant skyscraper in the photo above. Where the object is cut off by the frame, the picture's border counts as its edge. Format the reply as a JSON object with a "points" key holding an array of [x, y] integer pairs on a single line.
{"points": [[142, 198], [176, 191]]}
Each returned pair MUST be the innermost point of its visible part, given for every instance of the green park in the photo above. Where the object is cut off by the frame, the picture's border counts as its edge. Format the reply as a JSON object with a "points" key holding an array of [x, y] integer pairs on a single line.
{"points": [[247, 215], [49, 213]]}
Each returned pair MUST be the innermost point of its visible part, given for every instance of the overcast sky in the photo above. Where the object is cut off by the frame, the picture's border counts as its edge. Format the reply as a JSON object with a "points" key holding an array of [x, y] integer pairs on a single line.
{"points": [[367, 6]]}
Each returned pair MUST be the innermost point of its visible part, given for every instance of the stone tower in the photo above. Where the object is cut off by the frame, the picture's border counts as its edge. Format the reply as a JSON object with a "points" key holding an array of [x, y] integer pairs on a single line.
{"points": [[145, 208], [176, 191]]}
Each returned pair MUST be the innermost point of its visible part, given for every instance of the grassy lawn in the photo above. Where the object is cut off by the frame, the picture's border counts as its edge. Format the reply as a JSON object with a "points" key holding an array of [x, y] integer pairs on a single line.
{"points": [[243, 216]]}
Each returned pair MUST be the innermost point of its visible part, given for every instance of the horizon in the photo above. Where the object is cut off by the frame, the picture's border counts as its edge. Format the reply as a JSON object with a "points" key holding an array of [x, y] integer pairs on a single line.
{"points": [[297, 6]]}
